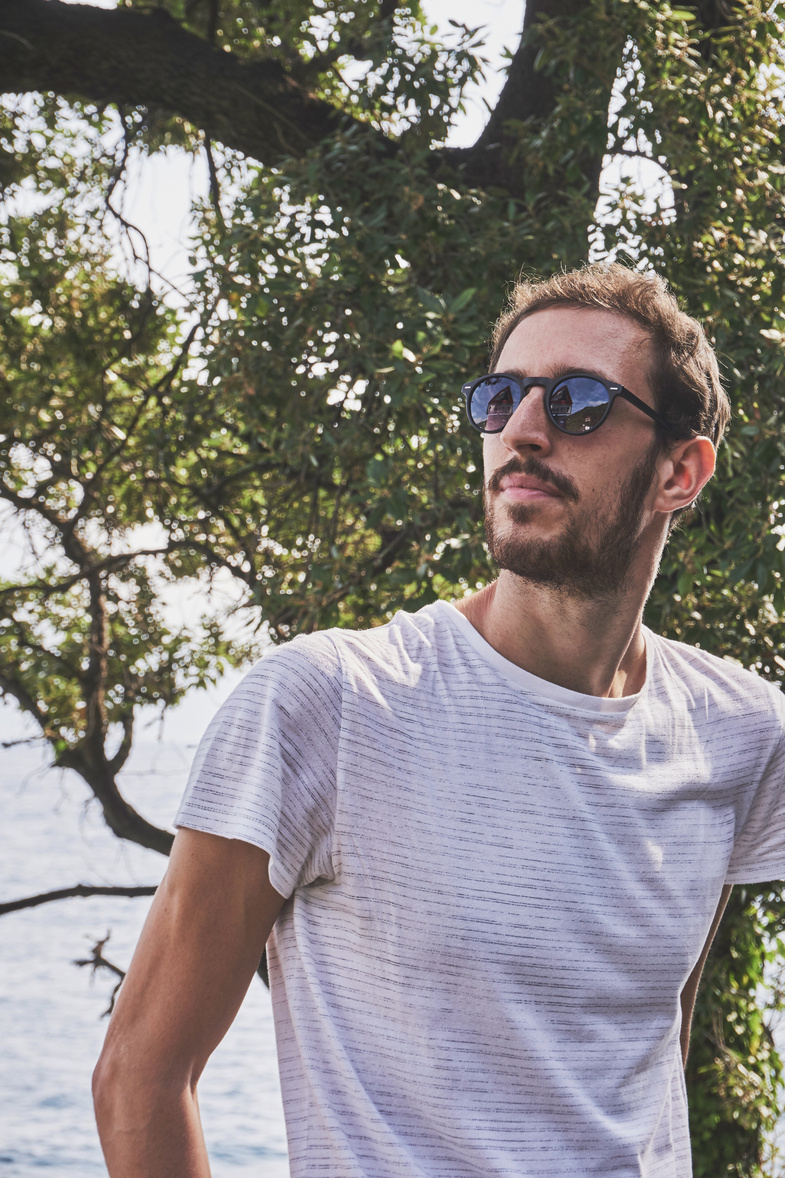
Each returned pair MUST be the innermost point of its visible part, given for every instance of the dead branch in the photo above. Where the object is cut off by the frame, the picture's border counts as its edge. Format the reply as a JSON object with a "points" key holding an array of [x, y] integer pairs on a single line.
{"points": [[67, 893], [97, 961]]}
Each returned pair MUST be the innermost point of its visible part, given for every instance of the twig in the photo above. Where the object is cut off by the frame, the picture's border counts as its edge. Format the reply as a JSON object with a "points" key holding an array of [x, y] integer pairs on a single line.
{"points": [[215, 188], [97, 961], [66, 893], [12, 744]]}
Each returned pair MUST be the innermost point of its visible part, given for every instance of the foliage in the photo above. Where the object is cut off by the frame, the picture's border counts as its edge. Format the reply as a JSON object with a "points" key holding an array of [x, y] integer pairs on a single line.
{"points": [[292, 427], [732, 1052]]}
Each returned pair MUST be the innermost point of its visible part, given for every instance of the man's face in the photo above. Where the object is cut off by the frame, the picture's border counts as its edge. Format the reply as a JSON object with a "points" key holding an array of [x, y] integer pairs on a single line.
{"points": [[568, 511]]}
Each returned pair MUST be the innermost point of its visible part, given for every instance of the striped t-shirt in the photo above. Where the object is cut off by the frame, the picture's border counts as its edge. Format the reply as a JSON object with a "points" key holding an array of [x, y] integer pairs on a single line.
{"points": [[496, 890]]}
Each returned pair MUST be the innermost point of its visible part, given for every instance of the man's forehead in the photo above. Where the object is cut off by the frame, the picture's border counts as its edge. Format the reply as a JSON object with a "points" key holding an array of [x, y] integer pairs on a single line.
{"points": [[563, 339]]}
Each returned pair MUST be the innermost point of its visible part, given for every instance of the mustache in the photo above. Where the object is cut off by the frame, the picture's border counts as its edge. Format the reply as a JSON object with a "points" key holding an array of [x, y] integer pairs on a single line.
{"points": [[535, 469]]}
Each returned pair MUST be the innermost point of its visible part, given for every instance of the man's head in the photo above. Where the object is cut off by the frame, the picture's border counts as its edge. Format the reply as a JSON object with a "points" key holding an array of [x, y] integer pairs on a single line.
{"points": [[582, 511], [683, 375]]}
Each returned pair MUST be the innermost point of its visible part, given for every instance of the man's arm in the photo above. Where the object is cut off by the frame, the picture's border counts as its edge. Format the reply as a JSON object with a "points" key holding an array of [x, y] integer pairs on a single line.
{"points": [[198, 951], [691, 986]]}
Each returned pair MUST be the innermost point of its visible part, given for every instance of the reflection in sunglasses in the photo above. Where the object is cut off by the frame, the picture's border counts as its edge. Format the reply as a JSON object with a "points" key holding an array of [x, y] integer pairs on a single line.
{"points": [[500, 408], [561, 402]]}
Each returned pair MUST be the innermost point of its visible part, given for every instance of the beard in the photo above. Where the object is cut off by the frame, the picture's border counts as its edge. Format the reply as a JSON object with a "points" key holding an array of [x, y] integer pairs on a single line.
{"points": [[590, 558]]}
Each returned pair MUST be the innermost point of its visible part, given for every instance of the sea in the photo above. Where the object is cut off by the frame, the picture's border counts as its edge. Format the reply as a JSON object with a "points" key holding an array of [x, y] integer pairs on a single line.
{"points": [[52, 1011]]}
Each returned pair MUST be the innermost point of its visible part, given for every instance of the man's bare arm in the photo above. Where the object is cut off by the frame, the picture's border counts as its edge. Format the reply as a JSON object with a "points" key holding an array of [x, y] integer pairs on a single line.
{"points": [[691, 988], [197, 954]]}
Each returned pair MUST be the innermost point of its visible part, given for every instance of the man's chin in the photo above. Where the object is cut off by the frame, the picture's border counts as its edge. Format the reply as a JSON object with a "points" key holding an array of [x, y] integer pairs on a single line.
{"points": [[508, 515], [565, 561], [523, 524], [537, 563]]}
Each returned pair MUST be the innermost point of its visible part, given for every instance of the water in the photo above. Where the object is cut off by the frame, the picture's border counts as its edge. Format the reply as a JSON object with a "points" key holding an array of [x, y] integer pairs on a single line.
{"points": [[51, 1025]]}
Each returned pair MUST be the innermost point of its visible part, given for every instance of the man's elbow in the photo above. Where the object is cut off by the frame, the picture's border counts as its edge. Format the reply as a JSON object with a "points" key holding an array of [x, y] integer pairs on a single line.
{"points": [[129, 1088], [112, 1090]]}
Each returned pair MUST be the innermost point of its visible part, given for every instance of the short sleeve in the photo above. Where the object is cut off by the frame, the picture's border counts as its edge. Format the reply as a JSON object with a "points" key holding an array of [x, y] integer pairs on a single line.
{"points": [[265, 770], [759, 849]]}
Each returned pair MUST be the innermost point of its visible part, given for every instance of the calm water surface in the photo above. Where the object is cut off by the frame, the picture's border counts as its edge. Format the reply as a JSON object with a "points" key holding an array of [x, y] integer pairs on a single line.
{"points": [[50, 1010]]}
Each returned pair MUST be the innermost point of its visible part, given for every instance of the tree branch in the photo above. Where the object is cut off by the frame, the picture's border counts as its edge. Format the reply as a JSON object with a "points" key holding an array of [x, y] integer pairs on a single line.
{"points": [[67, 893], [254, 107], [9, 686], [215, 187], [124, 751], [162, 385], [75, 550], [527, 93], [531, 94], [38, 648], [110, 564], [87, 758], [97, 961]]}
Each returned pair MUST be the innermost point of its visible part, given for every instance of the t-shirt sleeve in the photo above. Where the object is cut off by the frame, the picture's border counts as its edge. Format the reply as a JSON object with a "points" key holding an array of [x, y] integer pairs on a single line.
{"points": [[265, 770], [759, 850]]}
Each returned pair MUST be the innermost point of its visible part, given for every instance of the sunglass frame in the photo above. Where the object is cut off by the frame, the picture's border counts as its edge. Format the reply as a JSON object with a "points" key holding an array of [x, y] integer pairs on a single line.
{"points": [[525, 383]]}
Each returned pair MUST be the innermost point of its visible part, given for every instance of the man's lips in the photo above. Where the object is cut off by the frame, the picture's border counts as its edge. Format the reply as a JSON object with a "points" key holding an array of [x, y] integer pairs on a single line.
{"points": [[530, 479], [525, 489]]}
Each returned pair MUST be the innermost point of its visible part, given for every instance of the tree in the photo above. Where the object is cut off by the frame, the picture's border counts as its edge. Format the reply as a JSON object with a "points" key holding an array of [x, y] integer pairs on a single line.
{"points": [[295, 428]]}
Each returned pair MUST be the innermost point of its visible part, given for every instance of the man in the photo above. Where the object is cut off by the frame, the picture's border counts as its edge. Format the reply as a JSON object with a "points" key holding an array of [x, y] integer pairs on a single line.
{"points": [[489, 842]]}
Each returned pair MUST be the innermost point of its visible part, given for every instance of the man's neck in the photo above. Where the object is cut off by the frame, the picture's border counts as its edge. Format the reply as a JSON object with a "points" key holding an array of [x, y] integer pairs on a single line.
{"points": [[593, 647]]}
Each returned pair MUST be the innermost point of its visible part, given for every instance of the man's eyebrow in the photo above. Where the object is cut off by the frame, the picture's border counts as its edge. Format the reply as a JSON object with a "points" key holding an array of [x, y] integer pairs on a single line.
{"points": [[557, 371]]}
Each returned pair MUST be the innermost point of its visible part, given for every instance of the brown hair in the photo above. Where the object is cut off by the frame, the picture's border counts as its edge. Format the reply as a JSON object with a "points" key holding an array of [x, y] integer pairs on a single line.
{"points": [[685, 376]]}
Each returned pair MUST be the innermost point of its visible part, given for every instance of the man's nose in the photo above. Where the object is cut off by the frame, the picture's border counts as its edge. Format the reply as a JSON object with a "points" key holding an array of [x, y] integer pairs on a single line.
{"points": [[529, 427]]}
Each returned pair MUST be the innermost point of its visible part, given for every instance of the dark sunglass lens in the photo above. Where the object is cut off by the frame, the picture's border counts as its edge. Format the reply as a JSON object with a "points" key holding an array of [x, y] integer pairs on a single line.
{"points": [[579, 404], [493, 402]]}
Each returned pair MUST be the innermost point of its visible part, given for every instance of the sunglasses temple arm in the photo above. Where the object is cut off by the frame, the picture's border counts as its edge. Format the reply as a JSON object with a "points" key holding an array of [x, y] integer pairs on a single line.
{"points": [[646, 409]]}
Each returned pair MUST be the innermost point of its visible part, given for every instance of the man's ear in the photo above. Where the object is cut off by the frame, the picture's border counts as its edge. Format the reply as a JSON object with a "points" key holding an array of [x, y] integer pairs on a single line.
{"points": [[684, 471]]}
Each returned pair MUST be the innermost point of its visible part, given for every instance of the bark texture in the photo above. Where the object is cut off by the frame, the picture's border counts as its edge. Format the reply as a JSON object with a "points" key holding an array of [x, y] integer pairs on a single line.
{"points": [[138, 58]]}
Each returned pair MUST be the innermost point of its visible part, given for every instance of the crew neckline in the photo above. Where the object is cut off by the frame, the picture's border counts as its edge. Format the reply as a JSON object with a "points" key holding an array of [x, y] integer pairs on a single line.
{"points": [[533, 684]]}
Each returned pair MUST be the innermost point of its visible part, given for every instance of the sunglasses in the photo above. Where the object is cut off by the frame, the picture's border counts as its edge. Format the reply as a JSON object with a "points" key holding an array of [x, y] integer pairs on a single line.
{"points": [[576, 403]]}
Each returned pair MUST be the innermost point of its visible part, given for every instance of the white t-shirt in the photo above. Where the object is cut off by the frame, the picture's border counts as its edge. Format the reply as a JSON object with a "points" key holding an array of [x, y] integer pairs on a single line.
{"points": [[497, 889]]}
